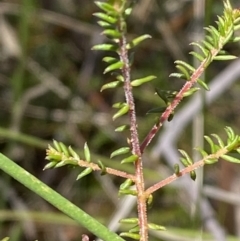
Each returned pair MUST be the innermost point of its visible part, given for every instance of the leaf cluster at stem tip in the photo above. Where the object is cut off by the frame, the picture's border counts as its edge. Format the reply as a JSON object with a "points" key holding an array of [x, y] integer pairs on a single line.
{"points": [[211, 46]]}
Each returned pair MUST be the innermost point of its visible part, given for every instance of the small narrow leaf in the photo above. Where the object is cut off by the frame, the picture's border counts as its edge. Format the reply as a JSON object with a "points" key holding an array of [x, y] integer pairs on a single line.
{"points": [[129, 221], [203, 84], [208, 60], [236, 27], [109, 59], [154, 226], [184, 162], [126, 184], [213, 147], [221, 21], [208, 45], [225, 57], [50, 165], [176, 169], [137, 41], [197, 55], [54, 157], [120, 151], [203, 153], [187, 157], [130, 235], [177, 75], [119, 105], [211, 161], [205, 52], [157, 110], [127, 192], [130, 159], [57, 146], [84, 173], [134, 230], [102, 167], [121, 112], [193, 175], [61, 164], [166, 95], [191, 91], [106, 7], [64, 149], [87, 153], [150, 199], [111, 85], [122, 128], [105, 17], [104, 47], [186, 65], [112, 33], [120, 78], [219, 140], [233, 143], [73, 153], [114, 66], [235, 39], [183, 70], [230, 159], [103, 24], [170, 117], [230, 132], [138, 82]]}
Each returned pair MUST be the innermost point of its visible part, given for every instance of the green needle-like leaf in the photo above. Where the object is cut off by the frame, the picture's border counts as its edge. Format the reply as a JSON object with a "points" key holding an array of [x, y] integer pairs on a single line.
{"points": [[230, 159], [106, 17], [137, 41], [225, 57], [114, 66], [87, 153], [130, 159], [104, 47], [130, 235], [84, 173], [138, 82], [121, 112], [111, 85], [129, 221], [120, 151]]}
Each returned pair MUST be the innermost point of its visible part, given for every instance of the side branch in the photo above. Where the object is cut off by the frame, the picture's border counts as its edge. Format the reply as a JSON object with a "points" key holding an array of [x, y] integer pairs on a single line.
{"points": [[108, 170], [187, 86], [186, 170]]}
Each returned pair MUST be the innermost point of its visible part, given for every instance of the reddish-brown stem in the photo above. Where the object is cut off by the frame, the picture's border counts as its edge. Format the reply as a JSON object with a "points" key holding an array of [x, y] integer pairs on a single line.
{"points": [[108, 170], [187, 86], [173, 177], [172, 107], [186, 170], [135, 145]]}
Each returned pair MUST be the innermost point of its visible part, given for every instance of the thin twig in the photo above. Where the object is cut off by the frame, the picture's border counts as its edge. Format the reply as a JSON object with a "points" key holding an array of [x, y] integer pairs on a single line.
{"points": [[108, 170], [141, 197]]}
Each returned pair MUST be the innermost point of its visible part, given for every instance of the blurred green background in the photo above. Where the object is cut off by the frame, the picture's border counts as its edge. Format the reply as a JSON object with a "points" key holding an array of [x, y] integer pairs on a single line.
{"points": [[49, 89]]}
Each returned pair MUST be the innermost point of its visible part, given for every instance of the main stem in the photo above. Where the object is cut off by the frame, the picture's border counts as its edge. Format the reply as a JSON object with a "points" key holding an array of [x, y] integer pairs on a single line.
{"points": [[141, 199]]}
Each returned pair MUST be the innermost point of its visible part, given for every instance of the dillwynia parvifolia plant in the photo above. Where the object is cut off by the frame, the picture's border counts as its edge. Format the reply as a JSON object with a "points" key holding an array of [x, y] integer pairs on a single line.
{"points": [[112, 18]]}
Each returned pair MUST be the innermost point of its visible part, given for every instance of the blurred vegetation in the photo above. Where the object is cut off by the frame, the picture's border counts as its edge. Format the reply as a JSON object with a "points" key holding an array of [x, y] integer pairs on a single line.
{"points": [[50, 81]]}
